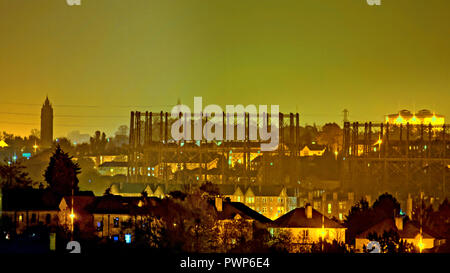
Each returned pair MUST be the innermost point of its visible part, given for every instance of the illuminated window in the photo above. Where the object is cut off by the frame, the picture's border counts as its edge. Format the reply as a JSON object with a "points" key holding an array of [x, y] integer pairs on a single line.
{"points": [[340, 216], [100, 226], [329, 208], [128, 238], [21, 218], [239, 199], [264, 209]]}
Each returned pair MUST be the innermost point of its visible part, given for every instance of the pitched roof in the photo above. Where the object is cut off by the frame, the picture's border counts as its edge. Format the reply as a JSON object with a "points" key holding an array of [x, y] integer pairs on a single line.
{"points": [[29, 199], [231, 209], [410, 230], [114, 164], [81, 204], [314, 147], [297, 219], [131, 187], [116, 204], [226, 189]]}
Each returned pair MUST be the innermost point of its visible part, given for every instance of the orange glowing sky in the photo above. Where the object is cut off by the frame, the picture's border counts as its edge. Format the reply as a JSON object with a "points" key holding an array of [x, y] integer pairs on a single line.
{"points": [[99, 61]]}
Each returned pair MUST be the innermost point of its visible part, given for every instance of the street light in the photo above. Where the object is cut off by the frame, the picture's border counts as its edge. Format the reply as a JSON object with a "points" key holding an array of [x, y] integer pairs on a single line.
{"points": [[420, 244], [379, 141], [35, 147]]}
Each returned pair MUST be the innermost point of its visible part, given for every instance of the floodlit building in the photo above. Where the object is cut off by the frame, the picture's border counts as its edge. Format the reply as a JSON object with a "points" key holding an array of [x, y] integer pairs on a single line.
{"points": [[312, 150], [425, 117], [270, 201], [408, 231], [237, 221], [306, 226]]}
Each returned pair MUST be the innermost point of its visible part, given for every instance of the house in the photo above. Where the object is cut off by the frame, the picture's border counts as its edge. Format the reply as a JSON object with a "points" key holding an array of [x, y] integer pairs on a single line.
{"points": [[136, 189], [306, 226], [131, 189], [407, 230], [312, 150], [80, 214], [237, 221], [101, 159], [116, 217], [113, 168], [332, 204], [30, 207], [270, 201]]}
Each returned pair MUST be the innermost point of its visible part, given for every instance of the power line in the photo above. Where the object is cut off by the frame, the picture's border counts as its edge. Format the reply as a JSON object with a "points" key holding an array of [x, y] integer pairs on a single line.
{"points": [[91, 106]]}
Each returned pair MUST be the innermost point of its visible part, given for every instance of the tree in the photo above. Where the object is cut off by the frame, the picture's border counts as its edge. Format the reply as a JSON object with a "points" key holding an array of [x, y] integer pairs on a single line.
{"points": [[98, 142], [357, 220], [61, 173], [390, 242], [331, 136], [386, 206], [361, 216], [12, 175], [181, 223]]}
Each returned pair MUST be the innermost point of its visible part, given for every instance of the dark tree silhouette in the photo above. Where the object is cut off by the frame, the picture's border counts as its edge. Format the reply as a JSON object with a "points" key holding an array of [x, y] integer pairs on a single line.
{"points": [[361, 216], [61, 173], [390, 242], [386, 206], [12, 175]]}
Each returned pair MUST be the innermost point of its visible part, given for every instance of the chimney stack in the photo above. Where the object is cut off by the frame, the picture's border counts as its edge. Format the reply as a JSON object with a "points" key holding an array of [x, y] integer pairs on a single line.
{"points": [[351, 197], [368, 199], [308, 211], [219, 204], [399, 223], [409, 207]]}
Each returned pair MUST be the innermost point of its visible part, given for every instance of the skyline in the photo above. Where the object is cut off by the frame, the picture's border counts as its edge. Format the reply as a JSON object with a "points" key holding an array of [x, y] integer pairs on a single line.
{"points": [[103, 59]]}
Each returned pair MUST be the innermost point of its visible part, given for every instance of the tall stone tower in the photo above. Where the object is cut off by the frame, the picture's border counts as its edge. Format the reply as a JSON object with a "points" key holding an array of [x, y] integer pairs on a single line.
{"points": [[46, 124]]}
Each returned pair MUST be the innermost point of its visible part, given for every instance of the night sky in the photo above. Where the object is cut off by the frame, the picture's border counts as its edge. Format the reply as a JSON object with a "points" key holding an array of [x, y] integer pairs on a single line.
{"points": [[100, 60]]}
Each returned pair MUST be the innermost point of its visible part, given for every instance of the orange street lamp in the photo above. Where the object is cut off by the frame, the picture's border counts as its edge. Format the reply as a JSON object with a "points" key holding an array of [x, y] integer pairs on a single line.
{"points": [[379, 141], [35, 147], [421, 245]]}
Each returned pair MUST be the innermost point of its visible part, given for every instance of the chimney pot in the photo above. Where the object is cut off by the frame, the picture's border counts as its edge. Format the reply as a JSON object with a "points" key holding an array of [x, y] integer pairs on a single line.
{"points": [[399, 223], [219, 203], [308, 211]]}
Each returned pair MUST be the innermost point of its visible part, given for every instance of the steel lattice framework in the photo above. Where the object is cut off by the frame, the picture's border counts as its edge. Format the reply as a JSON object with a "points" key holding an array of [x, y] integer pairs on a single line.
{"points": [[397, 158]]}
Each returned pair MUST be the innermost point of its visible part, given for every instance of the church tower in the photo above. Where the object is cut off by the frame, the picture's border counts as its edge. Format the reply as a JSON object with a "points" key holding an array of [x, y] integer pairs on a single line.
{"points": [[46, 124]]}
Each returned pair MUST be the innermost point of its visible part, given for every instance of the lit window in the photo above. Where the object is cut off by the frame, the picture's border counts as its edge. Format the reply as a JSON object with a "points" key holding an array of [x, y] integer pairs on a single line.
{"points": [[128, 238], [329, 208], [100, 226], [340, 216]]}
